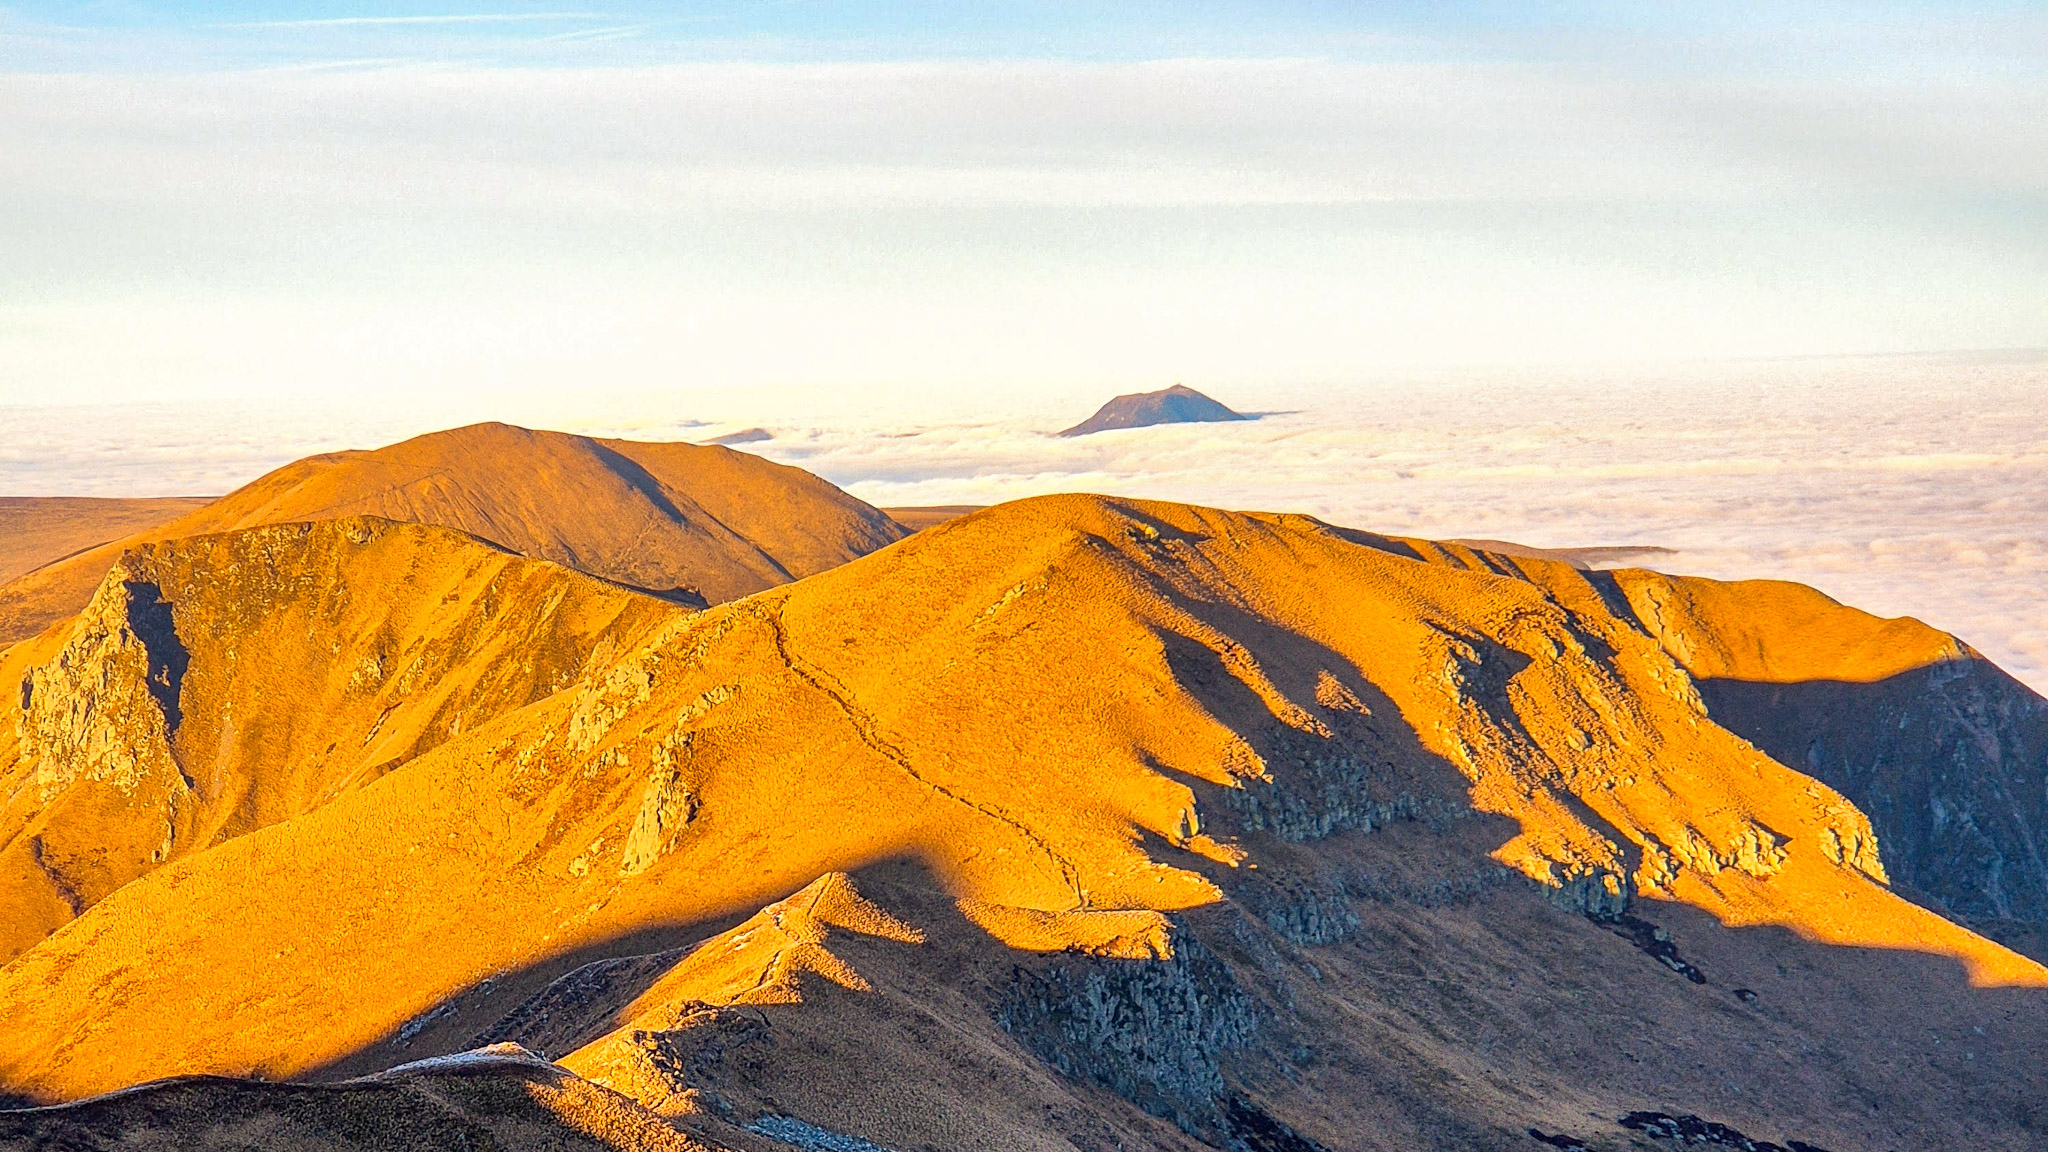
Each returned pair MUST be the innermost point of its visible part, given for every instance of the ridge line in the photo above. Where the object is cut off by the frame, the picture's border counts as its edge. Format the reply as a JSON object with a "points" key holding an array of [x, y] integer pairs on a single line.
{"points": [[865, 728]]}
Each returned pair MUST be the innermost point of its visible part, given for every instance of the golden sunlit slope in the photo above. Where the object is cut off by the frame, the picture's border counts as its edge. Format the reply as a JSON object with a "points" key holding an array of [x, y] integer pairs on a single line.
{"points": [[1106, 727], [664, 517], [36, 530], [218, 684], [1770, 631]]}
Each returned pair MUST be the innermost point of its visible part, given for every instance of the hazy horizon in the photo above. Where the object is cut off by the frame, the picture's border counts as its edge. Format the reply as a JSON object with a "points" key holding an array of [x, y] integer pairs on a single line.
{"points": [[292, 201]]}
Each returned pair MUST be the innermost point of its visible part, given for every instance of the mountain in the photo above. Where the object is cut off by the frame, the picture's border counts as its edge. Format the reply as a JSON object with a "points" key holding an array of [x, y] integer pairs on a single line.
{"points": [[36, 530], [1175, 405], [699, 522], [1090, 823], [218, 684], [743, 436]]}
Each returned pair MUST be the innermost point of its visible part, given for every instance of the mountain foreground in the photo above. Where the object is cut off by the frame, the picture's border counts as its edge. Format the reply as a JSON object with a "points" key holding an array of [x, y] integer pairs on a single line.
{"points": [[1073, 823]]}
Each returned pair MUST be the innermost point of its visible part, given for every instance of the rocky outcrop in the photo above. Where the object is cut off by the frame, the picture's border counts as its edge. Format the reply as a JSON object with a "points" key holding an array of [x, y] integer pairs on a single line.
{"points": [[809, 1137], [1323, 791], [1655, 942], [1594, 892], [1154, 1032], [1306, 913], [1692, 1130], [106, 708]]}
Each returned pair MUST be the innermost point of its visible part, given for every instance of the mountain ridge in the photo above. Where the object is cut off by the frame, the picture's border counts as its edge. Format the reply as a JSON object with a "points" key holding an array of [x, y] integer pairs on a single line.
{"points": [[697, 521], [1266, 734]]}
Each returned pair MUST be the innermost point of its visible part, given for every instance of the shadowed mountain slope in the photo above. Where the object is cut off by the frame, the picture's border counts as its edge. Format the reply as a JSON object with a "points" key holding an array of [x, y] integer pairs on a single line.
{"points": [[219, 684], [1189, 826], [503, 1099], [36, 530], [1946, 752], [699, 520]]}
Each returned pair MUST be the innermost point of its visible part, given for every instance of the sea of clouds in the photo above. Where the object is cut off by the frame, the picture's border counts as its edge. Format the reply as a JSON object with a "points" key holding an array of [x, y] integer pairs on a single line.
{"points": [[1903, 485]]}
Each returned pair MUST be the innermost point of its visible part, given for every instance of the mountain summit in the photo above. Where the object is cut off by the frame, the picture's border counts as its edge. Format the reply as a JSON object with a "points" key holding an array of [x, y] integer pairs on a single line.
{"points": [[1176, 405]]}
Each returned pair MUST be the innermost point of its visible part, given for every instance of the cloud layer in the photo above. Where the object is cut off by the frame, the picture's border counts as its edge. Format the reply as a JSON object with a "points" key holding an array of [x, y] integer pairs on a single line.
{"points": [[952, 224], [1903, 485]]}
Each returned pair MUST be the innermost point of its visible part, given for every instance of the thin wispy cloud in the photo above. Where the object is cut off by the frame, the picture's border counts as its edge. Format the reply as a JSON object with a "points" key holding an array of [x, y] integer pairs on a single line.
{"points": [[407, 21], [991, 224], [614, 32]]}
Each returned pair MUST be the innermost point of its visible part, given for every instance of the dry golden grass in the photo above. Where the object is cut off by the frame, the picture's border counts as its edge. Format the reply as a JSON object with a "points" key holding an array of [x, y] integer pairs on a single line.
{"points": [[37, 530]]}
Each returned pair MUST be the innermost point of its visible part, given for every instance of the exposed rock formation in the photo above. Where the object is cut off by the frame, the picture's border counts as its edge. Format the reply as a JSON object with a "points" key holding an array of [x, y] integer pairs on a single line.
{"points": [[1155, 1032], [1945, 753]]}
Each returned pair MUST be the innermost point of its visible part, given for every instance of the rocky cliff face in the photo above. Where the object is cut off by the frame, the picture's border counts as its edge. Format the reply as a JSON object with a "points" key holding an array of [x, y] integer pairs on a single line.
{"points": [[106, 709], [96, 791], [1155, 1032]]}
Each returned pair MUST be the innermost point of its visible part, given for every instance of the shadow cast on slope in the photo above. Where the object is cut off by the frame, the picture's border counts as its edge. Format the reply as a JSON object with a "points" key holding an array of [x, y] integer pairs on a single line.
{"points": [[1949, 761], [1445, 1016]]}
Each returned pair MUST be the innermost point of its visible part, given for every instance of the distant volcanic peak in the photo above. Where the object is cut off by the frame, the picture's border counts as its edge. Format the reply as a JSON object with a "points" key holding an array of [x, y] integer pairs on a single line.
{"points": [[743, 436], [1176, 405]]}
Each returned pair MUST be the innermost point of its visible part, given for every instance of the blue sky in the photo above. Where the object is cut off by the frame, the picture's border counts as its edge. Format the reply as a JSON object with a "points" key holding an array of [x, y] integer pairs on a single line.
{"points": [[416, 198], [1957, 39]]}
